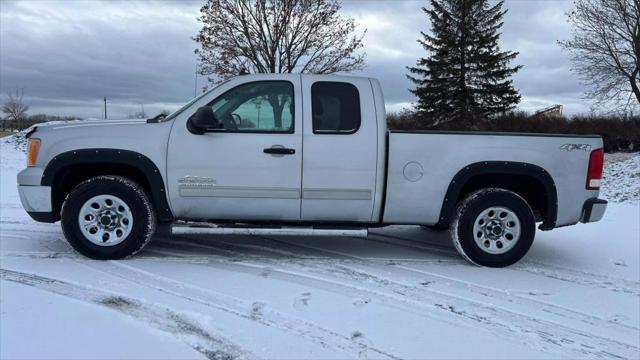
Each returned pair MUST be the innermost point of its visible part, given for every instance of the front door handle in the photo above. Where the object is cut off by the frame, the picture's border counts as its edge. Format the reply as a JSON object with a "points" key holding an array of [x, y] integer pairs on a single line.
{"points": [[279, 150]]}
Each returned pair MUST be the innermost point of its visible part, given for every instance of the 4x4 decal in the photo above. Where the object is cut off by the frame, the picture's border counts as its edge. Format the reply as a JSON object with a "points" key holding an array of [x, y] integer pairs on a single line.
{"points": [[571, 147]]}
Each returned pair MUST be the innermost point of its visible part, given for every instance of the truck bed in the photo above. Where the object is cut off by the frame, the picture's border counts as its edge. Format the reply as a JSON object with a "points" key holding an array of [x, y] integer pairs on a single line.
{"points": [[423, 164]]}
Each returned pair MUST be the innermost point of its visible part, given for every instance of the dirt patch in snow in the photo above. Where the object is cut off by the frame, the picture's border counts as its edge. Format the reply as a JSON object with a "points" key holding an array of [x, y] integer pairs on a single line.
{"points": [[117, 302]]}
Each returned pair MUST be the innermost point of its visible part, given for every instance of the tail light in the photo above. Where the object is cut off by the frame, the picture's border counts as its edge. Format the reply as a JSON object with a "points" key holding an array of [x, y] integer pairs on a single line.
{"points": [[594, 174], [33, 147]]}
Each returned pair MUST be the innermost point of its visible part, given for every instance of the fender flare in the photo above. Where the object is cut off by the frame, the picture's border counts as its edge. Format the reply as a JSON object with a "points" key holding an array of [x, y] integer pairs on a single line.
{"points": [[114, 156], [449, 204]]}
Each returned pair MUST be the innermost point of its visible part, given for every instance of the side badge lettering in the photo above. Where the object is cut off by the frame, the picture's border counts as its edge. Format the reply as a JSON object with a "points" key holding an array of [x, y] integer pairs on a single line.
{"points": [[571, 147], [197, 181]]}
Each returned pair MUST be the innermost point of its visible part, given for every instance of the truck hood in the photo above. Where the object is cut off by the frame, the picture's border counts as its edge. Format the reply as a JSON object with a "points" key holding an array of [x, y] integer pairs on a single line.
{"points": [[87, 127], [75, 123], [97, 130], [148, 139]]}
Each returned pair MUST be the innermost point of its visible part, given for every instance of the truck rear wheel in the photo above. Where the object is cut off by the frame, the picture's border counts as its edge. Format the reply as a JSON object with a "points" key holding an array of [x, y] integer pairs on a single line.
{"points": [[108, 217], [493, 227]]}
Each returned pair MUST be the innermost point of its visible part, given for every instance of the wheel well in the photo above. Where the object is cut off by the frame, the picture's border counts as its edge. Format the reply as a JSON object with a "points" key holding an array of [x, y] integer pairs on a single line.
{"points": [[70, 176], [531, 182], [68, 169], [531, 189]]}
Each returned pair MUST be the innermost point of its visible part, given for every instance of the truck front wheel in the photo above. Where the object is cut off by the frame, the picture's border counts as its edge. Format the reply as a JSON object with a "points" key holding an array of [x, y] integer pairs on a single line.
{"points": [[108, 217], [493, 227]]}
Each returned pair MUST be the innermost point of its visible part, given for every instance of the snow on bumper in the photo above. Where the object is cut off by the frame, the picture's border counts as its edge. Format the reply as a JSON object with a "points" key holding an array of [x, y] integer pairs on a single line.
{"points": [[593, 210], [35, 198]]}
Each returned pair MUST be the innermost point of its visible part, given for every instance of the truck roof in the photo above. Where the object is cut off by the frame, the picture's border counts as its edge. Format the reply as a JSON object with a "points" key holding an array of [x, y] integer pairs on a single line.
{"points": [[327, 77]]}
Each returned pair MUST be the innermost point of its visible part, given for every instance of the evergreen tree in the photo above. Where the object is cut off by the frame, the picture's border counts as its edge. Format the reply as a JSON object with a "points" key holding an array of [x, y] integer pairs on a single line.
{"points": [[466, 74]]}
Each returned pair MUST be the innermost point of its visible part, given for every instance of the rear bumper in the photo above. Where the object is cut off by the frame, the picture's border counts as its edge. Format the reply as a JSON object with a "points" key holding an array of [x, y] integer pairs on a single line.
{"points": [[593, 210]]}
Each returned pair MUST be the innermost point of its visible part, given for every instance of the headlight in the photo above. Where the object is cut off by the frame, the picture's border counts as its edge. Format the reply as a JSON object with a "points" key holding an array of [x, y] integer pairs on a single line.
{"points": [[33, 147]]}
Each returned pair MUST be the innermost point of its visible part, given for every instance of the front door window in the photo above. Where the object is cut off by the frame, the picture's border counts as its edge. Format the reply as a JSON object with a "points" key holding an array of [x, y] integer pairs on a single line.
{"points": [[261, 106]]}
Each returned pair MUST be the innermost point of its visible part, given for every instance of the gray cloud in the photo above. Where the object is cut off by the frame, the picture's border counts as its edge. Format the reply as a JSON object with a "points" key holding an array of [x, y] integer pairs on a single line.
{"points": [[67, 55], [66, 52]]}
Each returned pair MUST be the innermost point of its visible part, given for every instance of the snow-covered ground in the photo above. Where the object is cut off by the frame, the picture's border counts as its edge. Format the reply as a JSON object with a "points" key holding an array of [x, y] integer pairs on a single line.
{"points": [[401, 293]]}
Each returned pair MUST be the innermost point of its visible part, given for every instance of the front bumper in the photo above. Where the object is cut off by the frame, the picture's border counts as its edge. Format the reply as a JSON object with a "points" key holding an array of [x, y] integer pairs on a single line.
{"points": [[36, 200], [593, 210]]}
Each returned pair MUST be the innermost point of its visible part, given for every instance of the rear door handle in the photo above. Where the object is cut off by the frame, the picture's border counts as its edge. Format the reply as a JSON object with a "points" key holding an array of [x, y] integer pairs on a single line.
{"points": [[279, 150]]}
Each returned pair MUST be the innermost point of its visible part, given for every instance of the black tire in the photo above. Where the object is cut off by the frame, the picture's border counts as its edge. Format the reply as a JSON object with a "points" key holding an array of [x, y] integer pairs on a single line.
{"points": [[144, 218], [468, 211]]}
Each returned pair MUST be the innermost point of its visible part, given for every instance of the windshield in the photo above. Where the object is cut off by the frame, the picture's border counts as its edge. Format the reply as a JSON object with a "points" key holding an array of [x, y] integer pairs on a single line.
{"points": [[193, 101]]}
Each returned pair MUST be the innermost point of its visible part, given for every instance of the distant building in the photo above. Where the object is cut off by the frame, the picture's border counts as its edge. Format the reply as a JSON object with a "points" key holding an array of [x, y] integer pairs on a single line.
{"points": [[553, 110]]}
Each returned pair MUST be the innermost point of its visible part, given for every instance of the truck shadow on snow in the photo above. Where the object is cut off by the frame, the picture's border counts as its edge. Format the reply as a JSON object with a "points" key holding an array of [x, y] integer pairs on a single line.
{"points": [[395, 243]]}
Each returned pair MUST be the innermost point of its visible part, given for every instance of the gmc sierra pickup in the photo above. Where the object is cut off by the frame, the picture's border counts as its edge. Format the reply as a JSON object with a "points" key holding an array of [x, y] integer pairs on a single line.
{"points": [[303, 155]]}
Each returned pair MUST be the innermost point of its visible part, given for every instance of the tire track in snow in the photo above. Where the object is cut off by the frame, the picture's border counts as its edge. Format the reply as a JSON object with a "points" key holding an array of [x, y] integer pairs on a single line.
{"points": [[7, 222], [228, 249], [176, 324], [553, 309], [541, 269], [38, 254], [506, 295], [580, 277], [26, 228], [554, 337], [267, 316], [561, 311], [548, 332], [594, 322], [72, 255], [557, 310], [564, 313], [305, 279]]}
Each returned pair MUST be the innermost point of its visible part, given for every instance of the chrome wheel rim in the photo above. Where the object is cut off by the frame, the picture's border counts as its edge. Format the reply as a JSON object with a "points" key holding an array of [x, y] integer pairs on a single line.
{"points": [[496, 230], [105, 220]]}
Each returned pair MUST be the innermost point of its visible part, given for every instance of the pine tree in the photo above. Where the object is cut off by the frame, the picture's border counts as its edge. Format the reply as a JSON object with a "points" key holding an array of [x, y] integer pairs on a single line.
{"points": [[466, 74]]}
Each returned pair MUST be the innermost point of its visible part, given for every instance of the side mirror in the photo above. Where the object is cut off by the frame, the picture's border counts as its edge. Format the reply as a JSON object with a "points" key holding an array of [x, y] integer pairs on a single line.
{"points": [[203, 120]]}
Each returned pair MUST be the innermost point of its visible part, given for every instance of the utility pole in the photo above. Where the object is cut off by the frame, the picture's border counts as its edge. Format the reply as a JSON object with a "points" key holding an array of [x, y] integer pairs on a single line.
{"points": [[105, 108], [195, 85]]}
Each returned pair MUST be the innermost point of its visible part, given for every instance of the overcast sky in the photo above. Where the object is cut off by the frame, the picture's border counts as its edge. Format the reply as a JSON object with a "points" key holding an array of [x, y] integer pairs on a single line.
{"points": [[67, 55]]}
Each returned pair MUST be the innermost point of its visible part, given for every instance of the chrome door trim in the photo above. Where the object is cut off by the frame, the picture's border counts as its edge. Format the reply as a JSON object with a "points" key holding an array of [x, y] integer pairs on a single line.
{"points": [[240, 192], [336, 194]]}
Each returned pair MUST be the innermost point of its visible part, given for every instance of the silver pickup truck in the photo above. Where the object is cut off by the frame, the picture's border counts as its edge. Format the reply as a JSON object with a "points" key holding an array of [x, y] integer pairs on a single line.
{"points": [[303, 155]]}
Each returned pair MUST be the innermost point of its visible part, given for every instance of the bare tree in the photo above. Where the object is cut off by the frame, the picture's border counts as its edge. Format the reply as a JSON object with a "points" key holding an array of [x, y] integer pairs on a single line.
{"points": [[276, 36], [15, 109], [605, 49]]}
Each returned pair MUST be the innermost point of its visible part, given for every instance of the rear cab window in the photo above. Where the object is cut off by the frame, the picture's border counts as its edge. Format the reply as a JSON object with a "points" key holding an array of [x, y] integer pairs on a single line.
{"points": [[335, 108]]}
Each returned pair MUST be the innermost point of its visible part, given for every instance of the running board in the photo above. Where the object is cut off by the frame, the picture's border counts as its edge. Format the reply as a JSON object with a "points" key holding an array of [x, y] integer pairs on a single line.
{"points": [[280, 231]]}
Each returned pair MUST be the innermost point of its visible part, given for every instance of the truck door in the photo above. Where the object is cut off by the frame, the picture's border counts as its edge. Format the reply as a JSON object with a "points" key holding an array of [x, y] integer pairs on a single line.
{"points": [[250, 169], [340, 149]]}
